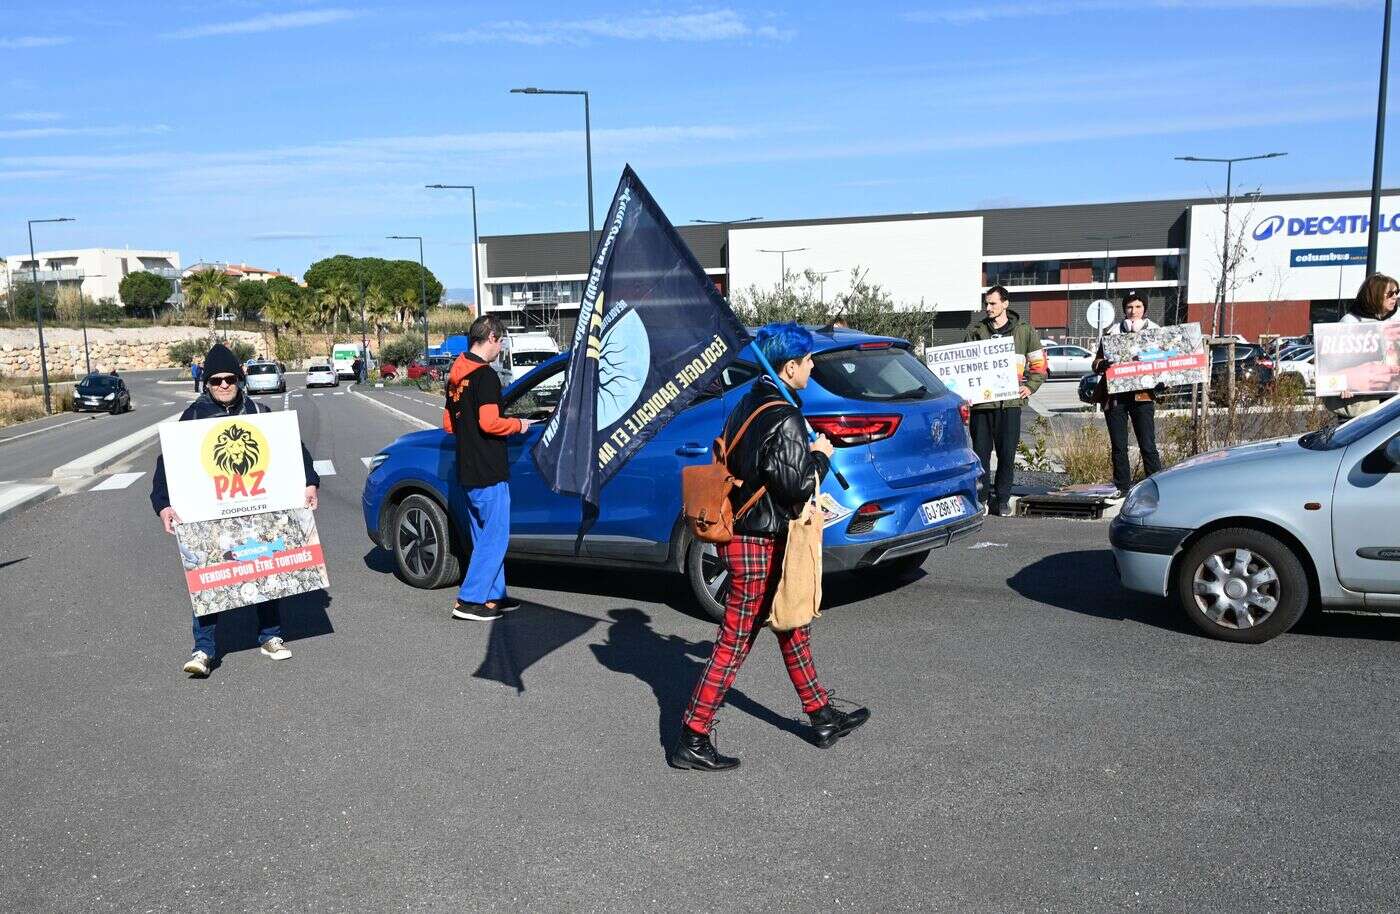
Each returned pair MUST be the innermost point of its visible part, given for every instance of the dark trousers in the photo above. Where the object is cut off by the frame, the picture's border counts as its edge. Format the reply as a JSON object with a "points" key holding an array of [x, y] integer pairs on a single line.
{"points": [[998, 429], [269, 626], [1117, 412]]}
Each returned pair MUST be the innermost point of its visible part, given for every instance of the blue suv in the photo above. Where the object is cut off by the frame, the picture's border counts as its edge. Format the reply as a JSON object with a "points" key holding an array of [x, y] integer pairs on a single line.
{"points": [[901, 444]]}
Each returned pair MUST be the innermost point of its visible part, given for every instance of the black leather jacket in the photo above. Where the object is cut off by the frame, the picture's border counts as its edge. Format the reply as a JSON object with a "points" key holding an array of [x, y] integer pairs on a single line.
{"points": [[774, 452]]}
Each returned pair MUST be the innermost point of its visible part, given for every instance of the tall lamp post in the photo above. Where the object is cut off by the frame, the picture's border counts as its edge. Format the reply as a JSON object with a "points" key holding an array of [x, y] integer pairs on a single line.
{"points": [[821, 277], [1107, 241], [782, 260], [82, 311], [476, 243], [1225, 246], [587, 145], [724, 255], [39, 308], [1372, 236], [422, 285]]}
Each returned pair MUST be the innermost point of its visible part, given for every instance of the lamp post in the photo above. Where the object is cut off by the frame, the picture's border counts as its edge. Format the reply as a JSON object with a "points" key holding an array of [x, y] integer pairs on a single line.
{"points": [[1107, 253], [82, 311], [1225, 246], [587, 144], [422, 286], [39, 309], [724, 249], [822, 279], [476, 244], [782, 260], [1372, 236], [364, 339]]}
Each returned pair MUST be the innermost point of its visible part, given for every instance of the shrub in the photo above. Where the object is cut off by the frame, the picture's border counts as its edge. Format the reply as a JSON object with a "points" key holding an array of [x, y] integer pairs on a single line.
{"points": [[402, 350], [290, 349], [187, 351]]}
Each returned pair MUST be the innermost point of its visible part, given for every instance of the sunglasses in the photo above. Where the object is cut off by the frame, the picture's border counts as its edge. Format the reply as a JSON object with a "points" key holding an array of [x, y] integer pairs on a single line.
{"points": [[223, 380]]}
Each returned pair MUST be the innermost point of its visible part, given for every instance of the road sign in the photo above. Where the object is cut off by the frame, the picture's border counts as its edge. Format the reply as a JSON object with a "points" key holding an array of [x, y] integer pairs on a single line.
{"points": [[1100, 313]]}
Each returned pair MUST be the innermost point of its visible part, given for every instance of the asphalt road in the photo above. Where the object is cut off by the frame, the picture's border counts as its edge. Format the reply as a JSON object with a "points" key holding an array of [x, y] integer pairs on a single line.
{"points": [[1041, 740]]}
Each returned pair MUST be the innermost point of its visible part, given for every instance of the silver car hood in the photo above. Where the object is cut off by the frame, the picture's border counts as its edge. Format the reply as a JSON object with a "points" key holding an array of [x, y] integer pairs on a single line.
{"points": [[1240, 453]]}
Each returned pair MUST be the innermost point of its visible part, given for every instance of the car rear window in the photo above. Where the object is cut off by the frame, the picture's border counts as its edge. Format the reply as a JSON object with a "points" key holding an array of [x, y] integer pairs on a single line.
{"points": [[319, 368], [262, 369], [876, 374]]}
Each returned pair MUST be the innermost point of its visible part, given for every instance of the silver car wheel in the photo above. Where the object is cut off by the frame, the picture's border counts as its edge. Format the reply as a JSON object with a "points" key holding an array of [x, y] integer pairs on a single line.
{"points": [[1236, 588], [418, 542], [713, 570]]}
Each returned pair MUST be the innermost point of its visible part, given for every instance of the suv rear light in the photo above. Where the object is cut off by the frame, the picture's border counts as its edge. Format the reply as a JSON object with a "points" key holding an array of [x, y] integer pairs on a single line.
{"points": [[965, 412], [848, 431]]}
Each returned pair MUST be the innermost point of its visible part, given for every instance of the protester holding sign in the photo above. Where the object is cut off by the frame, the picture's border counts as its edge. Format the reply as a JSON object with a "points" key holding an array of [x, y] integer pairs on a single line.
{"points": [[1137, 406], [224, 396], [1375, 303], [474, 418], [778, 465], [997, 425]]}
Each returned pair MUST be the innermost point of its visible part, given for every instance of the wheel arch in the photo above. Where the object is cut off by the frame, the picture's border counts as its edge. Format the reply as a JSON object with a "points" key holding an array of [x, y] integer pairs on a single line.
{"points": [[1279, 532]]}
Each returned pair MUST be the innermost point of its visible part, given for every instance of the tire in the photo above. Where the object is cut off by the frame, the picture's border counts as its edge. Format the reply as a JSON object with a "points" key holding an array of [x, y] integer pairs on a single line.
{"points": [[421, 540], [707, 576], [901, 567], [1265, 573]]}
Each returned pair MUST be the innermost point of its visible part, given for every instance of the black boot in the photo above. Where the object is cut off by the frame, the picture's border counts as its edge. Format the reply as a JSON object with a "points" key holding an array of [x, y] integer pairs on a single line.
{"points": [[829, 724], [695, 751]]}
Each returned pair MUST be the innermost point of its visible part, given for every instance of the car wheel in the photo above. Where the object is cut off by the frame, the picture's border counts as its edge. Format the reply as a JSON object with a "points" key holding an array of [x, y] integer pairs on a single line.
{"points": [[1242, 585], [705, 571], [422, 544]]}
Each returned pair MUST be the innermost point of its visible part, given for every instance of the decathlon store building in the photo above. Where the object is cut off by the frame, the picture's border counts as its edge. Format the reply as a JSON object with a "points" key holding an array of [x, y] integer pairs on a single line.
{"points": [[1302, 257]]}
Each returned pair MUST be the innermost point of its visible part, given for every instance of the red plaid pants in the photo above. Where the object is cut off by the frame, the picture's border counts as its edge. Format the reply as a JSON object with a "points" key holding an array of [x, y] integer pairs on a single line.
{"points": [[753, 577]]}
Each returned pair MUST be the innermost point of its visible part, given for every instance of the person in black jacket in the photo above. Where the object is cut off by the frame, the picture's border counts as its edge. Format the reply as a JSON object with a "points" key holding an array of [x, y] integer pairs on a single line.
{"points": [[773, 455], [223, 396]]}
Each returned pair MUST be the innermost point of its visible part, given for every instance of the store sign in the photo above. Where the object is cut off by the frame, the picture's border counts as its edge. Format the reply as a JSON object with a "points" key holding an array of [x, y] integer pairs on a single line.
{"points": [[1270, 226], [1326, 257]]}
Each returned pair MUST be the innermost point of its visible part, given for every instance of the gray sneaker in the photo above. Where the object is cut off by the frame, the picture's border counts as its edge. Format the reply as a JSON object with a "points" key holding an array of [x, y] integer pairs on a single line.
{"points": [[197, 665], [274, 648]]}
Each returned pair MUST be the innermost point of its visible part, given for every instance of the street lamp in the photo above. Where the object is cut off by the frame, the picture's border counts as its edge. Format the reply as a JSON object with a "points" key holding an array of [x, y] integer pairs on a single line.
{"points": [[422, 285], [587, 143], [1372, 237], [1225, 247], [727, 221], [39, 308], [1107, 253], [724, 248], [82, 311], [782, 259], [821, 277], [476, 244]]}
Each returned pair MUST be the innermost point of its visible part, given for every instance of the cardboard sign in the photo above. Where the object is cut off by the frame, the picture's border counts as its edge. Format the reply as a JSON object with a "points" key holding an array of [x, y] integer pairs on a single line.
{"points": [[237, 561], [1172, 356], [980, 371], [1357, 358], [233, 465]]}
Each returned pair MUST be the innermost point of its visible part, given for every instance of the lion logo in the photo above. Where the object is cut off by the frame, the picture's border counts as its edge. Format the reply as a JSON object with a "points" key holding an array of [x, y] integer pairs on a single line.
{"points": [[236, 450]]}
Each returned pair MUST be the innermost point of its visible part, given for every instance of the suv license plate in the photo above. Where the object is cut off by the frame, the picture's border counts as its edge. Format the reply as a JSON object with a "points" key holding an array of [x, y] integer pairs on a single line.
{"points": [[942, 509]]}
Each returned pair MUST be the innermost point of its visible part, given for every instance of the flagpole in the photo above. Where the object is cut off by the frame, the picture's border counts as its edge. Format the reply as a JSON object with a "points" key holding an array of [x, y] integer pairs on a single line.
{"points": [[782, 389]]}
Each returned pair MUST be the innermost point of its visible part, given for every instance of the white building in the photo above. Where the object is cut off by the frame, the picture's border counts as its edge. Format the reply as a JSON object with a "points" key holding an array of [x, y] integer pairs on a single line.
{"points": [[97, 271]]}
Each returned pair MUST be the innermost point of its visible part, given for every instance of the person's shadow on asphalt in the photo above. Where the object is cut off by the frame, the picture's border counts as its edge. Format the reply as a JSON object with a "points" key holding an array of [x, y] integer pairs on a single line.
{"points": [[303, 616], [670, 665]]}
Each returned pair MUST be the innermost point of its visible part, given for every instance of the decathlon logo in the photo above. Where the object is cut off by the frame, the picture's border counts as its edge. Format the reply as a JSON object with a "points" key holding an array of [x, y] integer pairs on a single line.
{"points": [[1266, 228]]}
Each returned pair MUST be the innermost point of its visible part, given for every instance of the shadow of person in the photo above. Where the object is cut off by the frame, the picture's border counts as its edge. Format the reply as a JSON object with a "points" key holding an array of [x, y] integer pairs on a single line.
{"points": [[1084, 582], [670, 665], [525, 636], [303, 616]]}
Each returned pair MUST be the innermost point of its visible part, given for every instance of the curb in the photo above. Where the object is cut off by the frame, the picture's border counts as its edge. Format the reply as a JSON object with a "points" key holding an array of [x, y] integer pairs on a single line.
{"points": [[23, 495], [421, 423], [93, 463]]}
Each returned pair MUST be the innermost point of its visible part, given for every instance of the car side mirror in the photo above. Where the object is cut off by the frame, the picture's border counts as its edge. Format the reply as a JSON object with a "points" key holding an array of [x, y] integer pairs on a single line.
{"points": [[1392, 451]]}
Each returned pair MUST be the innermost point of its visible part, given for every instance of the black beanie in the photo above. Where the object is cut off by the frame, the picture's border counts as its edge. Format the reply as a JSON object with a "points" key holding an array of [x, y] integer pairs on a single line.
{"points": [[221, 360]]}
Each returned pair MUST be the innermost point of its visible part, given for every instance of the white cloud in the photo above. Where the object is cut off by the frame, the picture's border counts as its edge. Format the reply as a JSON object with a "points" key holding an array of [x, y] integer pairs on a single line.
{"points": [[983, 12], [268, 22], [43, 133], [35, 117], [289, 236], [716, 25], [33, 41]]}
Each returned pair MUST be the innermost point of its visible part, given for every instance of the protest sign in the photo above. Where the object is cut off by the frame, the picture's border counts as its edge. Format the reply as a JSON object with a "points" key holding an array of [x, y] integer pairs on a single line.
{"points": [[980, 371], [1357, 358], [1173, 356], [239, 487]]}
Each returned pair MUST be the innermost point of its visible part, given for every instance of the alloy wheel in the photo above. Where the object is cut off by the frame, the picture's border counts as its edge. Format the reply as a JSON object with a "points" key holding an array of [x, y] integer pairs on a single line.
{"points": [[1236, 588], [418, 542], [712, 570]]}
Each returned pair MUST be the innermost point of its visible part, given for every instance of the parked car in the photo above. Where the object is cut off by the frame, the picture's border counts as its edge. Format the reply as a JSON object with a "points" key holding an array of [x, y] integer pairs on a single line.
{"points": [[1251, 366], [1247, 538], [103, 393], [388, 371], [1299, 361], [901, 443], [265, 378], [434, 367], [1068, 361], [321, 374]]}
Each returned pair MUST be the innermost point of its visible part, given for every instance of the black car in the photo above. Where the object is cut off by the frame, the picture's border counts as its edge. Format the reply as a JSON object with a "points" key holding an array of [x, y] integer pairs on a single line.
{"points": [[103, 393], [1251, 366]]}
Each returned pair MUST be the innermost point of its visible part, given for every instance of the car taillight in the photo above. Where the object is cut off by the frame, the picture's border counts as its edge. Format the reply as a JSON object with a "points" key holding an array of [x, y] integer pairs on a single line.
{"points": [[875, 345], [847, 431], [965, 412], [1267, 363]]}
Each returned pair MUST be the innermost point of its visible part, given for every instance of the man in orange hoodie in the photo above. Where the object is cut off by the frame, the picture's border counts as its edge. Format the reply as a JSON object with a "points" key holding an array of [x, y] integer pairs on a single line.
{"points": [[473, 415]]}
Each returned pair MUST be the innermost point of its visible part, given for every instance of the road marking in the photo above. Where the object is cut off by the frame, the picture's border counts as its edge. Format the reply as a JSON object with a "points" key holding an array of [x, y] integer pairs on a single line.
{"points": [[47, 428], [118, 481], [338, 393], [93, 463], [297, 395], [318, 394], [365, 461], [167, 402], [323, 467], [396, 411]]}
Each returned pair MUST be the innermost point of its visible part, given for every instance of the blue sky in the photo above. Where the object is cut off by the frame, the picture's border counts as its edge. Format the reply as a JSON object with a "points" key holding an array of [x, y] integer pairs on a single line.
{"points": [[280, 132]]}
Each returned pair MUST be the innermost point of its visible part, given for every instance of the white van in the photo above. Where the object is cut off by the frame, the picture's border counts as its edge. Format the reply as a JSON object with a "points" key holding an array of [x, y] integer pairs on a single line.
{"points": [[521, 353], [343, 356]]}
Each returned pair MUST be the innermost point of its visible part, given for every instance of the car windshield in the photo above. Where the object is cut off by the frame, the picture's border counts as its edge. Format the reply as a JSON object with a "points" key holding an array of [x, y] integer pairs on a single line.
{"points": [[262, 369], [889, 373], [99, 383], [531, 358], [1336, 437]]}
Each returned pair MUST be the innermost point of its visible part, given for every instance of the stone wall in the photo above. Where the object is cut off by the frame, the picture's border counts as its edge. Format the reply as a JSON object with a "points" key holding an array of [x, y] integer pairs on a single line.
{"points": [[123, 349]]}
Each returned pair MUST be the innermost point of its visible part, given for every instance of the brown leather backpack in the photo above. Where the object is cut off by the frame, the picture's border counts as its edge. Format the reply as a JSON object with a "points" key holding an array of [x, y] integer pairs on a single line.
{"points": [[705, 490]]}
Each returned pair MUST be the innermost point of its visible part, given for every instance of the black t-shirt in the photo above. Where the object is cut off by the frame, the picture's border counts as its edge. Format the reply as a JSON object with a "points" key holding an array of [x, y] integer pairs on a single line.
{"points": [[481, 458]]}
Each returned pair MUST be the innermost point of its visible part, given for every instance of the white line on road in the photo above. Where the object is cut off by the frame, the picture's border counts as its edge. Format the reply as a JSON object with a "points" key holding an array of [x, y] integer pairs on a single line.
{"points": [[396, 411], [47, 428], [296, 395], [93, 463], [324, 467], [365, 461], [167, 402], [118, 481], [318, 394], [338, 393]]}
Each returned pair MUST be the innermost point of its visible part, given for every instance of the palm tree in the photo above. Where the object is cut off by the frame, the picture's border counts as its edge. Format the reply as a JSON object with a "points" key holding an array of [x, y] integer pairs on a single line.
{"points": [[381, 310], [333, 301], [284, 309], [212, 290]]}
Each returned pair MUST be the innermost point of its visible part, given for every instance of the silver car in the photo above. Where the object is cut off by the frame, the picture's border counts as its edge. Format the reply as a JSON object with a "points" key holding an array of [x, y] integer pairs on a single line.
{"points": [[265, 378], [1246, 538], [1064, 361]]}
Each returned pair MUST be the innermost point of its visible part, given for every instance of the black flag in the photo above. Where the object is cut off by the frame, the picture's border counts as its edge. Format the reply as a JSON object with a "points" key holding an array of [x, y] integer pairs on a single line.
{"points": [[653, 333]]}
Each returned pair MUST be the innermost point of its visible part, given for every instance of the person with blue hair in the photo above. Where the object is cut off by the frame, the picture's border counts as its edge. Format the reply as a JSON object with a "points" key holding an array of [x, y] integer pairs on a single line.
{"points": [[779, 469]]}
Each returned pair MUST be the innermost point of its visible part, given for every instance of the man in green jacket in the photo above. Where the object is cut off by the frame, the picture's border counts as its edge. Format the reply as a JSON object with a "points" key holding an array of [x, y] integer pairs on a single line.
{"points": [[997, 425]]}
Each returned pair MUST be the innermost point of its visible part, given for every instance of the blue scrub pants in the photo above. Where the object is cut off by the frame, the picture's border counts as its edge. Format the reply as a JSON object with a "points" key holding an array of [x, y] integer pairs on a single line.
{"points": [[488, 517]]}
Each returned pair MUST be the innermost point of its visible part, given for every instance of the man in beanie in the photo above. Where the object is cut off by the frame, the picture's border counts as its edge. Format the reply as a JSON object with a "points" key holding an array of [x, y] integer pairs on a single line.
{"points": [[223, 396]]}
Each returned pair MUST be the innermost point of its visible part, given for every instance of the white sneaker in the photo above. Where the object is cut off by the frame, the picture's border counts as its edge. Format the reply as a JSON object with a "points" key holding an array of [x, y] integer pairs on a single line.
{"points": [[274, 649], [197, 665]]}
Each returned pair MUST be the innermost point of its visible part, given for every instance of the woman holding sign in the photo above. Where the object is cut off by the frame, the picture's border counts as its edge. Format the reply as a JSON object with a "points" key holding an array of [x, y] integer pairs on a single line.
{"points": [[223, 396], [1136, 407], [1375, 304]]}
